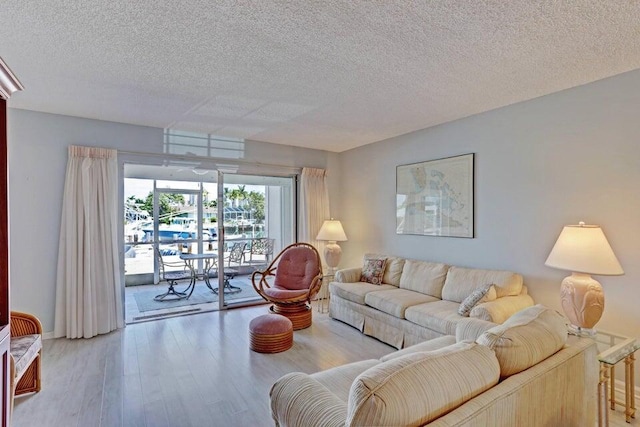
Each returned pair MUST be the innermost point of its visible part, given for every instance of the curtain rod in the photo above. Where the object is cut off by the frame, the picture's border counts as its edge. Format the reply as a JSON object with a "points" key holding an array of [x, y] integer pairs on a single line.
{"points": [[208, 159]]}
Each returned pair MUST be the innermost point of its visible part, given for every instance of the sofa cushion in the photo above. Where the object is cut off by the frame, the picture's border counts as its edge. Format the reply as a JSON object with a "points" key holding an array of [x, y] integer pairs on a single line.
{"points": [[355, 291], [424, 277], [373, 270], [440, 316], [340, 378], [461, 282], [429, 345], [476, 297], [419, 387], [526, 338], [396, 301], [393, 269]]}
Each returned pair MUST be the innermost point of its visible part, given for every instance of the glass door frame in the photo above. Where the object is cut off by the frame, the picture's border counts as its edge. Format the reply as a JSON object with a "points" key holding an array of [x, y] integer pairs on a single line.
{"points": [[222, 305], [156, 222]]}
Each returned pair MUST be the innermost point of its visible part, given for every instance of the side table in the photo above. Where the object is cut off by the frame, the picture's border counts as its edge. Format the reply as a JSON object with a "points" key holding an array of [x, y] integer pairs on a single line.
{"points": [[608, 359], [323, 295]]}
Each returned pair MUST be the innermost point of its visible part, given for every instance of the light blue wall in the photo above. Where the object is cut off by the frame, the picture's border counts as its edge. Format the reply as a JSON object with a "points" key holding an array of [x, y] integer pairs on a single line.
{"points": [[37, 164], [539, 165]]}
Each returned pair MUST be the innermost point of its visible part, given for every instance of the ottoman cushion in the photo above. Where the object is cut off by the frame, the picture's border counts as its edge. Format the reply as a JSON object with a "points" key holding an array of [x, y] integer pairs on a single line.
{"points": [[270, 333]]}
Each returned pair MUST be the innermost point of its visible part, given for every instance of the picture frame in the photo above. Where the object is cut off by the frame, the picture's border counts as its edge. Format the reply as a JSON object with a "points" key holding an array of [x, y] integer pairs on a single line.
{"points": [[436, 197]]}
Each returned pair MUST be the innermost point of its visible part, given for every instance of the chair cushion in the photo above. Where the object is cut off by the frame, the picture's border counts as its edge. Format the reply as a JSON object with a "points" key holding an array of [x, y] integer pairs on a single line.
{"points": [[355, 291], [270, 324], [297, 267], [526, 338], [24, 349], [419, 387], [278, 292], [440, 316], [396, 301], [424, 277], [177, 275]]}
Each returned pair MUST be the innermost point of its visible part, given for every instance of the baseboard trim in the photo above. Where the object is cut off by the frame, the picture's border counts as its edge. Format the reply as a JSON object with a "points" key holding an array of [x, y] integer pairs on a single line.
{"points": [[49, 336]]}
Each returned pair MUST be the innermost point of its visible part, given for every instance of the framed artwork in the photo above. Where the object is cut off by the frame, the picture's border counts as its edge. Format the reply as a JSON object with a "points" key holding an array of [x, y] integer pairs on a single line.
{"points": [[435, 197]]}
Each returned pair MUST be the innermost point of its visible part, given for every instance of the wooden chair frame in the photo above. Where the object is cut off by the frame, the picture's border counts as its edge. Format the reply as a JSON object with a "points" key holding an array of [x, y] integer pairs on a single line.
{"points": [[298, 309], [30, 381]]}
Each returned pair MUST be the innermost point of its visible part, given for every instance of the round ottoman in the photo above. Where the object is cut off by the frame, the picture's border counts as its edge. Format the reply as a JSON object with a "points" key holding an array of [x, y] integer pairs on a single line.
{"points": [[270, 333]]}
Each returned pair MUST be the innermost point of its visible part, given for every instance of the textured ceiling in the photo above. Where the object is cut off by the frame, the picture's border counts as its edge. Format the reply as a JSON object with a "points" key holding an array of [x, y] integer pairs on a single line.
{"points": [[324, 74]]}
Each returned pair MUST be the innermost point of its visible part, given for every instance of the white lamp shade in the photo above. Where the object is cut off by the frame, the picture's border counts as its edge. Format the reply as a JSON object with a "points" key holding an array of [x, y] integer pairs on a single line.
{"points": [[332, 231], [584, 249]]}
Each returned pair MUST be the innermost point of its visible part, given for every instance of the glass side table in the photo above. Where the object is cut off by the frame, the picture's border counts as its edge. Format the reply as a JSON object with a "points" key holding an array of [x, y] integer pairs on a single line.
{"points": [[608, 360], [323, 295]]}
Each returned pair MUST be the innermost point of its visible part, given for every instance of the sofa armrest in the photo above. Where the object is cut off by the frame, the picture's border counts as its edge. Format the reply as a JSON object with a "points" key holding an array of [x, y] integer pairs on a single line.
{"points": [[470, 329], [299, 400], [499, 310], [349, 275]]}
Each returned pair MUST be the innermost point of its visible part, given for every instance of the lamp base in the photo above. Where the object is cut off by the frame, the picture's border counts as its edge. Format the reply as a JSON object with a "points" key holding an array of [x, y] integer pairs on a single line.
{"points": [[332, 255], [582, 300]]}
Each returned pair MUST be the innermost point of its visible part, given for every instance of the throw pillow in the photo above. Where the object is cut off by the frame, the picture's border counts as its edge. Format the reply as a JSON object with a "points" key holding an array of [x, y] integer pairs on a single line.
{"points": [[373, 270], [472, 300]]}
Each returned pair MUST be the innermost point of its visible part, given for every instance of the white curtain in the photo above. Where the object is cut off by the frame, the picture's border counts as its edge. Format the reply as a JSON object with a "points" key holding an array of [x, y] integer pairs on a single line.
{"points": [[88, 290], [314, 206]]}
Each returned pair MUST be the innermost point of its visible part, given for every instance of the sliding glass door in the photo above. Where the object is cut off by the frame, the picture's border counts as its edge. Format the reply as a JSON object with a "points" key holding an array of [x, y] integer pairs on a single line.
{"points": [[258, 222], [238, 220]]}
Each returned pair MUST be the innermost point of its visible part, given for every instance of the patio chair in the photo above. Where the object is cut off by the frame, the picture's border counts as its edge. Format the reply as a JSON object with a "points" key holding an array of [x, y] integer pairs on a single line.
{"points": [[172, 277], [297, 276], [261, 247], [235, 254]]}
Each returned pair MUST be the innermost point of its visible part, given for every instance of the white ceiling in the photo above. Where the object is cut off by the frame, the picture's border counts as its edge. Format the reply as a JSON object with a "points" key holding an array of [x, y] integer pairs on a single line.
{"points": [[329, 74]]}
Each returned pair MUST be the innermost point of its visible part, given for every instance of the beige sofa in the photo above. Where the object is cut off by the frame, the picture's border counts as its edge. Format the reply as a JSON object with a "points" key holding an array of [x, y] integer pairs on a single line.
{"points": [[419, 300], [522, 373]]}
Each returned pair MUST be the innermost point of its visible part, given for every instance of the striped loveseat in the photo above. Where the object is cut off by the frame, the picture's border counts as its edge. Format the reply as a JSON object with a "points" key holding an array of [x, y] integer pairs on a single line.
{"points": [[404, 301], [524, 372]]}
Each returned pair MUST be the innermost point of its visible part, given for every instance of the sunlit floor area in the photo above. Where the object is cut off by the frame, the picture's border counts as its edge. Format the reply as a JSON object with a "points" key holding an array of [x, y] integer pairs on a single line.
{"points": [[185, 371], [140, 305]]}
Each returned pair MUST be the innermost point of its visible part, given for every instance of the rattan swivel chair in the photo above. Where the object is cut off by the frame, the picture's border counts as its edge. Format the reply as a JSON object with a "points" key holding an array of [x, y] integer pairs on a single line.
{"points": [[295, 276]]}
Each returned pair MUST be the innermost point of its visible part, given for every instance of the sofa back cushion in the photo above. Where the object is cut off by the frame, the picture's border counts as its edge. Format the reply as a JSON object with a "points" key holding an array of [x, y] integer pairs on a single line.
{"points": [[424, 277], [461, 282], [419, 387], [526, 338], [393, 268]]}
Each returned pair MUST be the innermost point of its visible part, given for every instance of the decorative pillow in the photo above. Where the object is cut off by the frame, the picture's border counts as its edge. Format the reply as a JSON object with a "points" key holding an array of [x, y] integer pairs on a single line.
{"points": [[373, 270], [526, 338], [474, 299]]}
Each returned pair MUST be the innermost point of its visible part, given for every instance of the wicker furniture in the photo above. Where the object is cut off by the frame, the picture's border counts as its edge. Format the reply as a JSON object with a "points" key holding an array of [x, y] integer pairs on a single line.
{"points": [[270, 333], [26, 354], [290, 281]]}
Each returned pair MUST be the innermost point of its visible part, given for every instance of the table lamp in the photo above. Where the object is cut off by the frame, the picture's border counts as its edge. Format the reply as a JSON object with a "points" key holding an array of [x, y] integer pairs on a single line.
{"points": [[332, 232], [583, 250]]}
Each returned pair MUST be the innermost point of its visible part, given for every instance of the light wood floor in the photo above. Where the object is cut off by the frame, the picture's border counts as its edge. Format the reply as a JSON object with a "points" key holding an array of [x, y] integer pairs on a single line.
{"points": [[185, 371]]}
